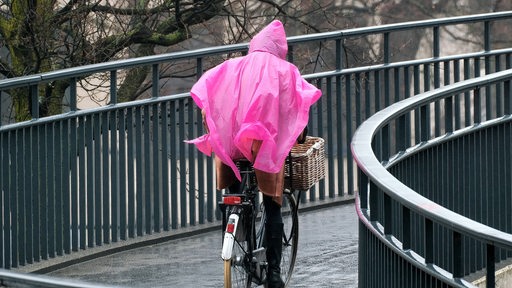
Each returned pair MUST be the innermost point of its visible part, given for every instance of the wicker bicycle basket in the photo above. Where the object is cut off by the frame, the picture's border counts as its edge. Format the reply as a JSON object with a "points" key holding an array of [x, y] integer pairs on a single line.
{"points": [[308, 164]]}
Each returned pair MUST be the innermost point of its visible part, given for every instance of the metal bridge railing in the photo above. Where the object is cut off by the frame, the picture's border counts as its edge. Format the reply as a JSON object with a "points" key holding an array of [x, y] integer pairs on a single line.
{"points": [[436, 212], [89, 178]]}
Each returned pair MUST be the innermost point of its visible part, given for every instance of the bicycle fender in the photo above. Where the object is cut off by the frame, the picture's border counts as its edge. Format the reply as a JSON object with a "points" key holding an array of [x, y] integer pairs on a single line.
{"points": [[229, 238]]}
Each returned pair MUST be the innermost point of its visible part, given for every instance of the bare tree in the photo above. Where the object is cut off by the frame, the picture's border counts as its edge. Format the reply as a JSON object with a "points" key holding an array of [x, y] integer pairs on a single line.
{"points": [[40, 36]]}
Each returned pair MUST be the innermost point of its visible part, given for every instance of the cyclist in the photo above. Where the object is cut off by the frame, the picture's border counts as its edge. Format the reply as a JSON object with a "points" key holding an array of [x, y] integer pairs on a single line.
{"points": [[256, 107]]}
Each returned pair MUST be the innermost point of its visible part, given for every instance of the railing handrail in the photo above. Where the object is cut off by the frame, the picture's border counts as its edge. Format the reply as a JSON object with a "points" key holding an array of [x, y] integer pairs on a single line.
{"points": [[209, 51], [397, 64], [331, 73], [22, 279], [367, 161]]}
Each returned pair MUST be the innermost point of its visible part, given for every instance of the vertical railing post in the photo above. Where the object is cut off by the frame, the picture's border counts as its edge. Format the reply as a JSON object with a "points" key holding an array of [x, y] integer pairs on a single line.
{"points": [[339, 135], [166, 216], [374, 202], [158, 113], [487, 36], [400, 135], [155, 80], [114, 120], [290, 53], [89, 180], [4, 174], [477, 110], [457, 99], [448, 102], [406, 228], [147, 168], [98, 221], [79, 214], [1, 116], [436, 49], [377, 94], [320, 130], [499, 94], [437, 81], [200, 173], [127, 188], [174, 167], [386, 145], [72, 94], [138, 159], [330, 140], [417, 111], [425, 110], [491, 266], [182, 165], [349, 133], [458, 264], [429, 241], [339, 55], [113, 87], [192, 161], [467, 97], [388, 217], [386, 48], [507, 98], [7, 148], [405, 120], [363, 189], [385, 131], [34, 100], [31, 170], [107, 213]]}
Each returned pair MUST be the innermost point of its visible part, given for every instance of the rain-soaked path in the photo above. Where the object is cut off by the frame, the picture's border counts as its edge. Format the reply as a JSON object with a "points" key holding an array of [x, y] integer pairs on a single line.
{"points": [[327, 257]]}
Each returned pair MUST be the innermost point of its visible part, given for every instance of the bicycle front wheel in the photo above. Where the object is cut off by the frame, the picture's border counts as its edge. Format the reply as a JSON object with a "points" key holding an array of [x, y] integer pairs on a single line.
{"points": [[290, 236]]}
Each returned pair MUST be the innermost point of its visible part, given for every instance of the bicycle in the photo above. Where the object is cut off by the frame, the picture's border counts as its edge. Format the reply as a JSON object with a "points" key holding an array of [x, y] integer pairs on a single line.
{"points": [[243, 249]]}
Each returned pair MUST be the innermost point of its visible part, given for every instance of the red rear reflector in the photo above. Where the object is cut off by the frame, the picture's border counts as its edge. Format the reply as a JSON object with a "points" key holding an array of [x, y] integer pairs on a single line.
{"points": [[232, 200], [230, 228]]}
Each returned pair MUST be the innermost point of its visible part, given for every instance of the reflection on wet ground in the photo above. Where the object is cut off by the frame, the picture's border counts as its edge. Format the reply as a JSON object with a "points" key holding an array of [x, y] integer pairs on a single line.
{"points": [[327, 257]]}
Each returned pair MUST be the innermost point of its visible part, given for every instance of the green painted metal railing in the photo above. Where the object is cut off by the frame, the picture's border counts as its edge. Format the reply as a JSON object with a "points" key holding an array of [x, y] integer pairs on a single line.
{"points": [[93, 177], [436, 212]]}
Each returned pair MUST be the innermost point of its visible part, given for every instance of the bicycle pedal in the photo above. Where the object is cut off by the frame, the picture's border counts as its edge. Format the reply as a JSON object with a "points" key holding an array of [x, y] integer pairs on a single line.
{"points": [[259, 255]]}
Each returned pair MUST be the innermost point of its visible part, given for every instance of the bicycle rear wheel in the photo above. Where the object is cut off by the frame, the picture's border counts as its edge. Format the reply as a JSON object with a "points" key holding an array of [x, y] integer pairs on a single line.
{"points": [[235, 268], [235, 275]]}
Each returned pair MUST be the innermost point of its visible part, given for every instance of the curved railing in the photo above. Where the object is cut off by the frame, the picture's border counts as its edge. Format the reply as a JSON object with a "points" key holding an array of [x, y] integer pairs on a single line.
{"points": [[426, 211], [119, 174]]}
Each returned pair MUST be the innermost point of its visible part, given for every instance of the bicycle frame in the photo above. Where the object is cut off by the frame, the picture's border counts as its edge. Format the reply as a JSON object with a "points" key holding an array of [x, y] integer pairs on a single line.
{"points": [[243, 247], [243, 206]]}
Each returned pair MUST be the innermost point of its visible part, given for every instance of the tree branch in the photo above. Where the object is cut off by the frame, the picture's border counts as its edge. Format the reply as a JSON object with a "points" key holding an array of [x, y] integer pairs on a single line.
{"points": [[284, 13]]}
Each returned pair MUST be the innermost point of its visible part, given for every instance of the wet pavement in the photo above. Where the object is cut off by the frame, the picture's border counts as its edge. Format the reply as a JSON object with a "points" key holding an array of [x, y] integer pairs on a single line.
{"points": [[326, 257]]}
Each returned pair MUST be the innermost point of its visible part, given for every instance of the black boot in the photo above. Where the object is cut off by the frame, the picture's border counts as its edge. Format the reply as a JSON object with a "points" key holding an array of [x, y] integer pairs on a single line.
{"points": [[274, 251]]}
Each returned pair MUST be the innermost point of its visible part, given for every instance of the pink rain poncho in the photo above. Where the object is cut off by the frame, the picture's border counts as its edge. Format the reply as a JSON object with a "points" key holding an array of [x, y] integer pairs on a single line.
{"points": [[260, 96]]}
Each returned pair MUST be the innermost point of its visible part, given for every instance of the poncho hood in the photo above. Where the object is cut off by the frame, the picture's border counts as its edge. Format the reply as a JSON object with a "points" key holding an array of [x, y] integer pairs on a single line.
{"points": [[271, 39], [260, 96]]}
